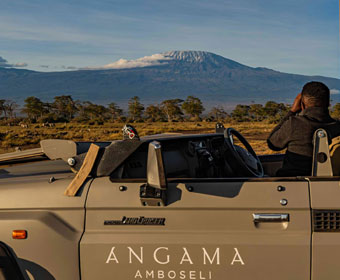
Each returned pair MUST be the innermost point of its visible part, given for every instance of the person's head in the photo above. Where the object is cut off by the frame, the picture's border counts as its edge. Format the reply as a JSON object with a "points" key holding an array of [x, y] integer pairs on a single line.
{"points": [[315, 94]]}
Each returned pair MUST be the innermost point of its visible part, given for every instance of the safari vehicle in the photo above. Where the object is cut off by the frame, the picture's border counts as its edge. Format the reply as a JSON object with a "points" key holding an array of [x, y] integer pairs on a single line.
{"points": [[166, 207]]}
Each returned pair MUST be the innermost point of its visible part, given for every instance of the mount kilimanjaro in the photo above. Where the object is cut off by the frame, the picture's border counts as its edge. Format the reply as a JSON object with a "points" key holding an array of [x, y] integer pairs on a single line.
{"points": [[175, 74]]}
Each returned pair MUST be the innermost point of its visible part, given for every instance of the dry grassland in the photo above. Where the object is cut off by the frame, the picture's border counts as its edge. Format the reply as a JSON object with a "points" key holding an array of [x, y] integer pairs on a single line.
{"points": [[11, 137]]}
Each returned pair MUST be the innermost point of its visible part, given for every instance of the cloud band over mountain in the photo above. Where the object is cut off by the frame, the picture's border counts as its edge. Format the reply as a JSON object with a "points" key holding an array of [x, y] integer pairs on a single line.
{"points": [[153, 60], [4, 63]]}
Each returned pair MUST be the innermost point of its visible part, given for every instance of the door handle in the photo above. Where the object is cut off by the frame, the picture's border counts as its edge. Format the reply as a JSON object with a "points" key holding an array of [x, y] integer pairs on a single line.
{"points": [[270, 218]]}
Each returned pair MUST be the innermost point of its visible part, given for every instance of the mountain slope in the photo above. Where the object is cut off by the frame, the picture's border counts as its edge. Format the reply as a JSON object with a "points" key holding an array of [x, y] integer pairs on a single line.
{"points": [[174, 74]]}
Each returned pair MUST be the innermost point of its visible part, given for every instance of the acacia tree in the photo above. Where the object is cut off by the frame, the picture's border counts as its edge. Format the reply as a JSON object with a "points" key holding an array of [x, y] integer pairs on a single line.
{"points": [[93, 111], [241, 112], [81, 105], [218, 113], [2, 107], [135, 108], [64, 107], [274, 109], [154, 113], [9, 107], [336, 111], [193, 107], [256, 111], [115, 111], [172, 109], [34, 108]]}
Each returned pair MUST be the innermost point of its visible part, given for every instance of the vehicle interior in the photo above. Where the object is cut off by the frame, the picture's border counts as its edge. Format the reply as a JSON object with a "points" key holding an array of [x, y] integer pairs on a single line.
{"points": [[220, 155], [203, 156]]}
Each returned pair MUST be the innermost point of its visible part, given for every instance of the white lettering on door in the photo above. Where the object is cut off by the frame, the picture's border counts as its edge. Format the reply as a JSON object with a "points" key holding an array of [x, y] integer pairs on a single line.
{"points": [[186, 257], [138, 274], [150, 274], [132, 252], [155, 255], [112, 256], [211, 260], [237, 258]]}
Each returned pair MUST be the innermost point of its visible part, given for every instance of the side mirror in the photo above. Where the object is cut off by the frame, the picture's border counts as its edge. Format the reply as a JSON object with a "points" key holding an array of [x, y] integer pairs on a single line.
{"points": [[153, 193]]}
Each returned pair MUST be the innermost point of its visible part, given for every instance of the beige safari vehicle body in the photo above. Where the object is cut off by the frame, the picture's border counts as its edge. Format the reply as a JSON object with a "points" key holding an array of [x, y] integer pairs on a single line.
{"points": [[166, 207]]}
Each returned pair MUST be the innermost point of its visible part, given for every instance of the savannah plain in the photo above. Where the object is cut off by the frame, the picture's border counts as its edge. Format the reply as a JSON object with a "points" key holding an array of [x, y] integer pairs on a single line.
{"points": [[15, 136]]}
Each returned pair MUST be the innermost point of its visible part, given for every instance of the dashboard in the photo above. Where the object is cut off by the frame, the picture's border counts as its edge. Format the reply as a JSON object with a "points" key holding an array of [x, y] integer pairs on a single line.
{"points": [[202, 156]]}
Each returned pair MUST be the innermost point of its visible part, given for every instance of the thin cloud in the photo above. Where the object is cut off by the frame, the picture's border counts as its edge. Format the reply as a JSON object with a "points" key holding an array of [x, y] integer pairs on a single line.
{"points": [[153, 60], [335, 91], [4, 63], [20, 64], [69, 67]]}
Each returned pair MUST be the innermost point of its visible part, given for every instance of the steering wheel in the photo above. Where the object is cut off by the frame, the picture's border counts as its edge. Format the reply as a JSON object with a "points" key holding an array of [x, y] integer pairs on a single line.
{"points": [[244, 162]]}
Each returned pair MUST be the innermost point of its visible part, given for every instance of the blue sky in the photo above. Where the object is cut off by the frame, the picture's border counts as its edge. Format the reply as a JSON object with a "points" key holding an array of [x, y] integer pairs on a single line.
{"points": [[300, 36]]}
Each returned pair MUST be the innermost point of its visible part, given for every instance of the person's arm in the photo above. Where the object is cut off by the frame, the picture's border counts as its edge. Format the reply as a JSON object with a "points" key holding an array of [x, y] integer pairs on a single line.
{"points": [[279, 137]]}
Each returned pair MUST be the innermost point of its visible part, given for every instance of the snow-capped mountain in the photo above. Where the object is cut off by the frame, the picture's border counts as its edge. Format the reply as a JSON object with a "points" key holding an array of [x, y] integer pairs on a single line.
{"points": [[201, 57], [173, 74], [171, 57]]}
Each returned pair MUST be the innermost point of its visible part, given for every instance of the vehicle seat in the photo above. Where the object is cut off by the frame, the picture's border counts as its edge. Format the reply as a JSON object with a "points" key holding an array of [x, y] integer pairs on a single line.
{"points": [[334, 152], [322, 164]]}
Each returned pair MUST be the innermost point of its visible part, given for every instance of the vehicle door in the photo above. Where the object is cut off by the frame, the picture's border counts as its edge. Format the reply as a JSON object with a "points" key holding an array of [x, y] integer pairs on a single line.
{"points": [[235, 228]]}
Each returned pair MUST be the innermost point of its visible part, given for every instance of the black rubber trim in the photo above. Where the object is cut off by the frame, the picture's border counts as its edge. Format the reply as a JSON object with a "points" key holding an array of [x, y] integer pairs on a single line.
{"points": [[8, 264]]}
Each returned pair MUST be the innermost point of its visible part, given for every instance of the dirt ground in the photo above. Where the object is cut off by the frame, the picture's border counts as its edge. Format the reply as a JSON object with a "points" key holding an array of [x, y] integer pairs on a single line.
{"points": [[11, 137]]}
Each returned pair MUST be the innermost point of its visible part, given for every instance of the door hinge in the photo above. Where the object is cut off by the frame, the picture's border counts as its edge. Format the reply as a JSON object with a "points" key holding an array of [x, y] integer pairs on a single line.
{"points": [[150, 196]]}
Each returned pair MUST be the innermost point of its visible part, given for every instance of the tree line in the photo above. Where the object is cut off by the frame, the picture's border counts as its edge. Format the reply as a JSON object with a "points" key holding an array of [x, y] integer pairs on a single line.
{"points": [[65, 109]]}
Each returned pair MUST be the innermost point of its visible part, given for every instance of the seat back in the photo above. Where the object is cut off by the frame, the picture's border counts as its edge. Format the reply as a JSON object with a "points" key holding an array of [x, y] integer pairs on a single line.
{"points": [[322, 165], [334, 151]]}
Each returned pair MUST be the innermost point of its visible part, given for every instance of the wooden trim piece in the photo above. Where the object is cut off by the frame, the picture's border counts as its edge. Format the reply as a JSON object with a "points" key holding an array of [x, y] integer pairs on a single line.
{"points": [[84, 171], [22, 156]]}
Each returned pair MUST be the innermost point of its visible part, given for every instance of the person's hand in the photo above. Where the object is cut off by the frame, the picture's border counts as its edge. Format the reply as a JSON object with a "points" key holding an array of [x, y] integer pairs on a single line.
{"points": [[296, 108]]}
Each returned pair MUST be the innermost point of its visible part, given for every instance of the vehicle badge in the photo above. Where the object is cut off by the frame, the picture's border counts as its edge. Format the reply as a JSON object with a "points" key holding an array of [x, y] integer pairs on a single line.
{"points": [[136, 221]]}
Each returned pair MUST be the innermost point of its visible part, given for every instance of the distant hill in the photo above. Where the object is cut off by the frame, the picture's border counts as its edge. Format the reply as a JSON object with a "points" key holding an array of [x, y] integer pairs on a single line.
{"points": [[175, 74]]}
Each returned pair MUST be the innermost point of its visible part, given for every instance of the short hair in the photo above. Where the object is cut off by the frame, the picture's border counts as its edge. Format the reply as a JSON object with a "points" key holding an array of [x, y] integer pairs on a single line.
{"points": [[316, 94]]}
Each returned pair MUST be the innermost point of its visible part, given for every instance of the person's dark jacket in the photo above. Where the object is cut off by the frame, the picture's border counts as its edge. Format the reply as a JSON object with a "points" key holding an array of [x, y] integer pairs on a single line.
{"points": [[295, 132]]}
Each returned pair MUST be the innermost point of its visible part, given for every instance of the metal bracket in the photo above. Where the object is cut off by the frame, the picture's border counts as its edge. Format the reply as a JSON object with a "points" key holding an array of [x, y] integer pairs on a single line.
{"points": [[150, 196], [153, 193], [322, 165]]}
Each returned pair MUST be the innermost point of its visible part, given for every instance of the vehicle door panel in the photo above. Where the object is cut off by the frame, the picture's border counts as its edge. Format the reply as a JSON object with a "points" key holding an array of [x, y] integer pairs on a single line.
{"points": [[209, 232]]}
